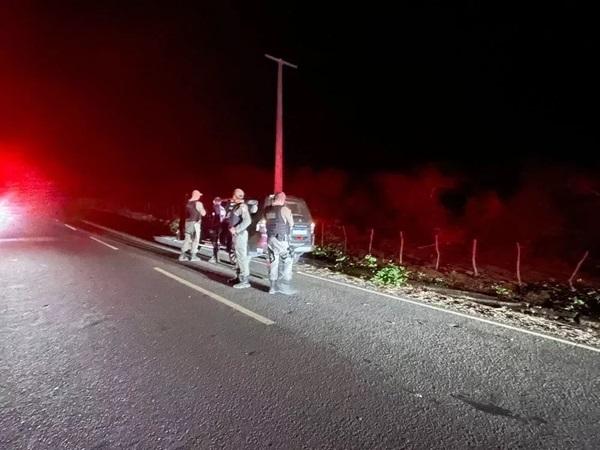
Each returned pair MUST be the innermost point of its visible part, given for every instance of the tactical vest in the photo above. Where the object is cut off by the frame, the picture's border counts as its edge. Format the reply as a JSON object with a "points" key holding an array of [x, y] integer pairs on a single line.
{"points": [[276, 224], [191, 212], [232, 219]]}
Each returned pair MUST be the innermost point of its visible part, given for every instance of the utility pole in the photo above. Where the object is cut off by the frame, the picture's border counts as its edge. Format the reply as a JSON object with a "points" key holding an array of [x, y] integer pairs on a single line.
{"points": [[278, 187]]}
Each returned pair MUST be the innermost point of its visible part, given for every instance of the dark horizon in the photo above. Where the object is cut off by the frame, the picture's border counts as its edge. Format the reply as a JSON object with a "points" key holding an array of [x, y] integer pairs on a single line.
{"points": [[124, 91]]}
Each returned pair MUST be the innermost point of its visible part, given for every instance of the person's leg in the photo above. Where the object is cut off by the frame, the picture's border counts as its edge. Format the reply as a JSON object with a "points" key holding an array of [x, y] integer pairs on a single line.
{"points": [[273, 264], [226, 238], [285, 267], [214, 236], [187, 240], [243, 262], [217, 243], [227, 242], [232, 252], [196, 241], [273, 258], [285, 270], [243, 251]]}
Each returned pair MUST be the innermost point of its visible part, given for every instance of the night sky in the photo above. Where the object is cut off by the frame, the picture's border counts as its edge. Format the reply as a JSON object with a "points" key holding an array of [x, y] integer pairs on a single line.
{"points": [[121, 89]]}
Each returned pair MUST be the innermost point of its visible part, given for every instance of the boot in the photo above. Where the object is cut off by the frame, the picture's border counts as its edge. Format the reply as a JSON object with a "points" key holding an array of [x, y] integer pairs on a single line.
{"points": [[195, 258], [183, 258], [234, 280], [243, 284], [285, 288]]}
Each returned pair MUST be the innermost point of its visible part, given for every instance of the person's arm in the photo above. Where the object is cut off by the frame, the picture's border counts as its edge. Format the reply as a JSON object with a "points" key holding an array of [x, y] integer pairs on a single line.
{"points": [[287, 215], [263, 215], [246, 219], [200, 208]]}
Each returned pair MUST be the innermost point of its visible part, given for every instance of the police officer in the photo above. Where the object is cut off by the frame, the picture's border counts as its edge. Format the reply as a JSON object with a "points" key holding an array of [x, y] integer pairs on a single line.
{"points": [[216, 219], [279, 224], [194, 211], [238, 219]]}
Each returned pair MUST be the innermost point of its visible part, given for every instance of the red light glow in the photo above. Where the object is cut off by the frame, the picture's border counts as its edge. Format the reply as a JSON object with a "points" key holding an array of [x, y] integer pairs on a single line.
{"points": [[6, 216]]}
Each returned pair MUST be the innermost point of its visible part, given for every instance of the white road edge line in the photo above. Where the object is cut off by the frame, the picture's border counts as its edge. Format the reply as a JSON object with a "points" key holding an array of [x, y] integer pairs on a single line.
{"points": [[103, 243], [150, 243], [216, 297], [466, 316], [133, 238], [70, 227], [30, 239]]}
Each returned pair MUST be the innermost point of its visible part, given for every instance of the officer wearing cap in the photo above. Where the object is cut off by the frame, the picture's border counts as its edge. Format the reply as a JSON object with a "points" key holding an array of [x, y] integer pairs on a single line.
{"points": [[279, 223], [238, 219], [194, 211]]}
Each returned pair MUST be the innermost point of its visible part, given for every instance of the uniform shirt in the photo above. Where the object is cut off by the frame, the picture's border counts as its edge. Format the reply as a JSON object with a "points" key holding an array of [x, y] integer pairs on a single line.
{"points": [[218, 213], [221, 213]]}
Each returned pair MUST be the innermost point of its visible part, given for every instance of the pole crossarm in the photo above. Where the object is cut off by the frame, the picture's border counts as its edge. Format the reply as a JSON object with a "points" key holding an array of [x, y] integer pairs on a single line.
{"points": [[282, 61]]}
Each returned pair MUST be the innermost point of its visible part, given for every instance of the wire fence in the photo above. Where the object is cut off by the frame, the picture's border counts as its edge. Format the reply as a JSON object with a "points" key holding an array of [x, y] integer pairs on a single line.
{"points": [[518, 262]]}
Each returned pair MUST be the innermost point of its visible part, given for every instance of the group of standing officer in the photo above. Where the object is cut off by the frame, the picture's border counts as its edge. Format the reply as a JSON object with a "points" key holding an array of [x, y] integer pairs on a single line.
{"points": [[228, 225]]}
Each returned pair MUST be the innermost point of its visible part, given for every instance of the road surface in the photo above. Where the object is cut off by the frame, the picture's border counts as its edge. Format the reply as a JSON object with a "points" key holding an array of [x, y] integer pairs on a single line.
{"points": [[105, 345]]}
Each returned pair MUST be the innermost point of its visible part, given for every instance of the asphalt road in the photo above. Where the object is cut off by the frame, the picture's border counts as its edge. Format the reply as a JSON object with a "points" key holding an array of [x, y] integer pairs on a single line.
{"points": [[100, 350]]}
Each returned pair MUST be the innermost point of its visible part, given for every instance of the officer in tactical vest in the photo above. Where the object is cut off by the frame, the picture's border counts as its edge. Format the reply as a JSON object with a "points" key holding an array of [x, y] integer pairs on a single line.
{"points": [[194, 211], [238, 219], [215, 227], [279, 223]]}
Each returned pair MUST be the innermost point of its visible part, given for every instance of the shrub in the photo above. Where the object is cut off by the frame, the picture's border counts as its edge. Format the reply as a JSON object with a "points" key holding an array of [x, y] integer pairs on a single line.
{"points": [[391, 275], [174, 226]]}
